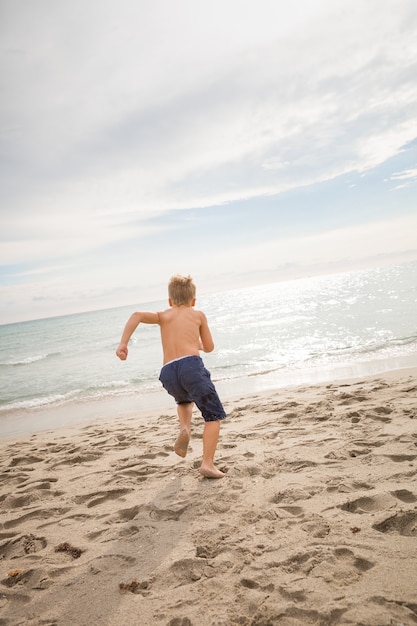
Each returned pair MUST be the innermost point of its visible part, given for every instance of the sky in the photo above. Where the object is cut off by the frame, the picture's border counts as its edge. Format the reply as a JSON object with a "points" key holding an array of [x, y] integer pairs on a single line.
{"points": [[242, 142]]}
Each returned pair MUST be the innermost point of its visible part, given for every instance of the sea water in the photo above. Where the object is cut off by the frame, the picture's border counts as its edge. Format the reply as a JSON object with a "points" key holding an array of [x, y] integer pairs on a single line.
{"points": [[301, 331]]}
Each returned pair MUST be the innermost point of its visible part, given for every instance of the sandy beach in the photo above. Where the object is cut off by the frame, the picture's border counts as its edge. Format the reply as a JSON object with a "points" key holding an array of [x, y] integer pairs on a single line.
{"points": [[314, 523]]}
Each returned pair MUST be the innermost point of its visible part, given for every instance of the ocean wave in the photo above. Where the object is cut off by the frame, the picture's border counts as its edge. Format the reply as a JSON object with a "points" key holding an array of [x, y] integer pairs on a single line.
{"points": [[404, 341], [394, 345], [28, 360], [111, 384], [110, 389], [363, 352], [233, 372], [35, 403]]}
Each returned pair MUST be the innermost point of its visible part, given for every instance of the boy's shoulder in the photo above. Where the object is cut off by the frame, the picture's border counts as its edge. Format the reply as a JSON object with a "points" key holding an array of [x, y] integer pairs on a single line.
{"points": [[174, 311]]}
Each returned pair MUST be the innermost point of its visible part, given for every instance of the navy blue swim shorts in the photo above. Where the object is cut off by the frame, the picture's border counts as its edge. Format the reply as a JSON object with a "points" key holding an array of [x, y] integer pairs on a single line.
{"points": [[187, 380]]}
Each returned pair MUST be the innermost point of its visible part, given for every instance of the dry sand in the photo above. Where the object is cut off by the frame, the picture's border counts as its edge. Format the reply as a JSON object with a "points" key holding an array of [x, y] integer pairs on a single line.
{"points": [[315, 522]]}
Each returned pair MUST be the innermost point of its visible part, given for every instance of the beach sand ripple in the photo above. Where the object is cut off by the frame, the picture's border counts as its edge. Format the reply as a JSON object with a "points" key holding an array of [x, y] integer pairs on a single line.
{"points": [[314, 523]]}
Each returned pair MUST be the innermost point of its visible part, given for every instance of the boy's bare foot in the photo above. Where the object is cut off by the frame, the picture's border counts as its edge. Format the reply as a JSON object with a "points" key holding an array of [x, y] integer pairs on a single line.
{"points": [[181, 444], [211, 472]]}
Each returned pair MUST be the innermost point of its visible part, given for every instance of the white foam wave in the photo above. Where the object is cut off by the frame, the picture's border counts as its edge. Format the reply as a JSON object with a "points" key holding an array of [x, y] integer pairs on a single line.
{"points": [[107, 390], [29, 359]]}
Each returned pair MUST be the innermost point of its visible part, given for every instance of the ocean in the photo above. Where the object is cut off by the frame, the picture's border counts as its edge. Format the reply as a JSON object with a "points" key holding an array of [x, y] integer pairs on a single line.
{"points": [[64, 369]]}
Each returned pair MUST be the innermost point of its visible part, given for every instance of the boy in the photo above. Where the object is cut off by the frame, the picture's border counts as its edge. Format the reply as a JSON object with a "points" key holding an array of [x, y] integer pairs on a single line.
{"points": [[184, 332]]}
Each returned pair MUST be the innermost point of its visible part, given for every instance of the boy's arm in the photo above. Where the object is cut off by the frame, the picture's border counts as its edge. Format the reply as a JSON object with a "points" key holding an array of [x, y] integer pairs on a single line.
{"points": [[206, 340], [132, 323]]}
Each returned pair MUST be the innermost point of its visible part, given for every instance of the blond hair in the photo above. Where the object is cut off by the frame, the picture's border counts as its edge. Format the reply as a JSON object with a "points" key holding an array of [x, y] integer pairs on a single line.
{"points": [[181, 289]]}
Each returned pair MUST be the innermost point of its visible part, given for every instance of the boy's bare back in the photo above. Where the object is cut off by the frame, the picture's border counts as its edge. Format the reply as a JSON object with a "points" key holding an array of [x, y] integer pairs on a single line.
{"points": [[184, 332]]}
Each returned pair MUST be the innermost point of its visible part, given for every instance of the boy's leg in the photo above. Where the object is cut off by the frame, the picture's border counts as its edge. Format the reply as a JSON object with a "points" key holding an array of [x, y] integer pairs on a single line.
{"points": [[185, 412], [210, 439]]}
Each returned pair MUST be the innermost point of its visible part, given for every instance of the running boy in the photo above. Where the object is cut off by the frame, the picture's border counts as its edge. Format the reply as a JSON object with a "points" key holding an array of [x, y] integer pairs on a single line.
{"points": [[184, 332]]}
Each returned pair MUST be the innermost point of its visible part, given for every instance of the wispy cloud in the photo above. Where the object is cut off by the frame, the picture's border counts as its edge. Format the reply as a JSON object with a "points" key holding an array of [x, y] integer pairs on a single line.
{"points": [[118, 121], [409, 175]]}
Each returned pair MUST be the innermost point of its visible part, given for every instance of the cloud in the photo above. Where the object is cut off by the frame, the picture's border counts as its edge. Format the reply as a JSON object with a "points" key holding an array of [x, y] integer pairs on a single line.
{"points": [[339, 247], [141, 119], [127, 128], [408, 175], [116, 281]]}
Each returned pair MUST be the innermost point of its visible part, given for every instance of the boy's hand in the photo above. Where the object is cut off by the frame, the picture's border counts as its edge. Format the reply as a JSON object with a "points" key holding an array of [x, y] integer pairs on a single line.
{"points": [[122, 351]]}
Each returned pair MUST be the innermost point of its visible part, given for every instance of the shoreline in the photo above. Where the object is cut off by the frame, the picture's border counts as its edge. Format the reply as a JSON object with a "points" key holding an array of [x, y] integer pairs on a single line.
{"points": [[28, 421], [314, 522]]}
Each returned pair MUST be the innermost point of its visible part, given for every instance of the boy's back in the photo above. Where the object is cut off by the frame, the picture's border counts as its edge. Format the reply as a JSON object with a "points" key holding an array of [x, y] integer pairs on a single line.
{"points": [[182, 327]]}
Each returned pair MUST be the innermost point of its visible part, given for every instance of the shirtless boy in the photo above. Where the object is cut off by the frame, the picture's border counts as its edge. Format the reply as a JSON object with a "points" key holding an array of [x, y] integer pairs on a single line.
{"points": [[184, 332]]}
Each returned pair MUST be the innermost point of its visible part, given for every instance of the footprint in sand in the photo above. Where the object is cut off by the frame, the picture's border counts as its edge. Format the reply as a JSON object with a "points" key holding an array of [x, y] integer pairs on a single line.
{"points": [[294, 616], [291, 495], [404, 495], [173, 512], [380, 414], [316, 527], [294, 511], [339, 566], [348, 398], [169, 504], [31, 579], [38, 483], [402, 523], [98, 497], [13, 501], [209, 550], [127, 515], [342, 568], [22, 546], [296, 466], [190, 570], [249, 583], [138, 470], [25, 460], [77, 458], [39, 514], [367, 504], [302, 562], [111, 563], [248, 469], [400, 458], [154, 455], [341, 487], [179, 621]]}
